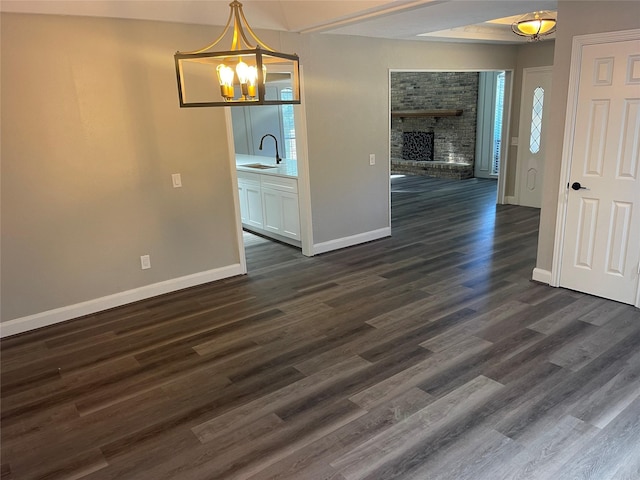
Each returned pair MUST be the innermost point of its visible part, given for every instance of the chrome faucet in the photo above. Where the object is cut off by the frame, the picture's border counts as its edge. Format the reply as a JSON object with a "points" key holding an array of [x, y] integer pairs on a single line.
{"points": [[278, 159]]}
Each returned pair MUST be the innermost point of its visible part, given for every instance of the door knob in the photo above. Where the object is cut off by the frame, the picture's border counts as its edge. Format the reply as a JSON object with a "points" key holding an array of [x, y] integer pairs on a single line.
{"points": [[577, 186]]}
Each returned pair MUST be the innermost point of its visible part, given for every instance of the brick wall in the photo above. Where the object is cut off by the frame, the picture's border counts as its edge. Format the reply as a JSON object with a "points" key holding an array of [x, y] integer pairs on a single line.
{"points": [[455, 137]]}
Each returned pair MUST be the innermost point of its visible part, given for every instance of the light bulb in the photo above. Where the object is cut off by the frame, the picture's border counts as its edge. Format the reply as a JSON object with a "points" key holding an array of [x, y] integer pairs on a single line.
{"points": [[252, 80], [225, 78], [242, 69], [252, 75]]}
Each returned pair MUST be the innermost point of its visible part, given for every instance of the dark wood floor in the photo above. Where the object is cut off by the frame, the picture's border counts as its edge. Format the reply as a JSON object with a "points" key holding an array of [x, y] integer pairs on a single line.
{"points": [[427, 355]]}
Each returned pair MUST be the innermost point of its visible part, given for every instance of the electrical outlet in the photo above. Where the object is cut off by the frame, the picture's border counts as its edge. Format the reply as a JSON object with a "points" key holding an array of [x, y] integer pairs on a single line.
{"points": [[145, 262], [176, 180], [372, 159], [514, 141]]}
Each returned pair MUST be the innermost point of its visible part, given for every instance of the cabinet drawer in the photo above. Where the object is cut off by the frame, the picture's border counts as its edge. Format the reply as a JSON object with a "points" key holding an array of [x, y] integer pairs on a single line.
{"points": [[284, 184], [246, 177]]}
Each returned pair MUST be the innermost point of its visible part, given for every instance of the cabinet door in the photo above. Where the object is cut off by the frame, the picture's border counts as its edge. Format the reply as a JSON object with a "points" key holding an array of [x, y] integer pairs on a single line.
{"points": [[272, 203], [281, 214], [290, 215], [242, 194], [253, 206]]}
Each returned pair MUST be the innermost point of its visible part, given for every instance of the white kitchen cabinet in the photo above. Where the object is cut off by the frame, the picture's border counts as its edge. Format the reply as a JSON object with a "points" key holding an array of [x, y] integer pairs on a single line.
{"points": [[280, 205], [250, 193], [281, 213], [290, 215], [269, 205]]}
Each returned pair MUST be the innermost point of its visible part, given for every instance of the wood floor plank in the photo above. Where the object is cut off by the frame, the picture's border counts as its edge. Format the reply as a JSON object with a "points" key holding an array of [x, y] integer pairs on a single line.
{"points": [[550, 450], [616, 445], [601, 405], [419, 373], [452, 432], [427, 354], [475, 325], [372, 456], [313, 460], [579, 352], [249, 412], [554, 321], [478, 455]]}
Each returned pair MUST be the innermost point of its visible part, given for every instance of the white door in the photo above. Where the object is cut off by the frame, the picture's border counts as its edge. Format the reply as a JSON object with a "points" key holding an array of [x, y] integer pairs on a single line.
{"points": [[601, 251], [534, 107]]}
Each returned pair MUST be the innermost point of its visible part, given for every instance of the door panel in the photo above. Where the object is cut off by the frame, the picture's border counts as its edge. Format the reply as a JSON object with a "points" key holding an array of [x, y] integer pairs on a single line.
{"points": [[272, 210], [254, 206], [601, 251], [619, 235], [628, 160], [586, 232], [599, 121], [290, 215]]}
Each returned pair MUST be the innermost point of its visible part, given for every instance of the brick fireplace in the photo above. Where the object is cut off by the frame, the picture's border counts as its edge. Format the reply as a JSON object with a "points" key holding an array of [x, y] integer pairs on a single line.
{"points": [[433, 123]]}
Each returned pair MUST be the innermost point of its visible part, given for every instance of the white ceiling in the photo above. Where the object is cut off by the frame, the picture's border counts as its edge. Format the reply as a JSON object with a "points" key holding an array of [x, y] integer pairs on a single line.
{"points": [[428, 20]]}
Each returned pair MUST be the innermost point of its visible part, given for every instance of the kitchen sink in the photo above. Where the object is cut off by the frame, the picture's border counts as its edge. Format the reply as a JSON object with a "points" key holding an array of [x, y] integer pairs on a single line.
{"points": [[259, 165]]}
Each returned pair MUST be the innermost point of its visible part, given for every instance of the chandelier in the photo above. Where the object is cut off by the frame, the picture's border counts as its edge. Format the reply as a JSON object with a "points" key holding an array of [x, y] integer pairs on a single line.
{"points": [[535, 25], [245, 74]]}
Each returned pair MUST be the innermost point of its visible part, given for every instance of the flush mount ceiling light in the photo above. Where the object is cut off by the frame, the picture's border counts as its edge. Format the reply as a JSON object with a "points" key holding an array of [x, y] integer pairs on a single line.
{"points": [[245, 74], [535, 25]]}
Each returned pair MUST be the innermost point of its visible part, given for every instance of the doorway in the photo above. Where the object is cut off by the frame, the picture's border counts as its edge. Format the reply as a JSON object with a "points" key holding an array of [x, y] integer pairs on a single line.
{"points": [[271, 201], [470, 130]]}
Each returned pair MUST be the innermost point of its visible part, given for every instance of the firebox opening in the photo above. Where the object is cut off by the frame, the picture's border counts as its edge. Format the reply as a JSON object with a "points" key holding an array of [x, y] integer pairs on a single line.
{"points": [[418, 146]]}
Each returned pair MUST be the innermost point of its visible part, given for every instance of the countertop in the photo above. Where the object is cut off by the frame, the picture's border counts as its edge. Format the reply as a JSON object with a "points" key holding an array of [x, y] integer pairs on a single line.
{"points": [[287, 168]]}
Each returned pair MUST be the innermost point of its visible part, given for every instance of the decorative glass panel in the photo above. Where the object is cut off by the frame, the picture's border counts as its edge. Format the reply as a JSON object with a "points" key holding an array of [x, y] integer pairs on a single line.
{"points": [[536, 120]]}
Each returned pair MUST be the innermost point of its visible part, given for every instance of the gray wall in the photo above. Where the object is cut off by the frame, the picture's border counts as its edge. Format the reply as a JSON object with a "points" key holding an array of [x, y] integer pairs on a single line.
{"points": [[92, 131], [574, 18], [347, 103]]}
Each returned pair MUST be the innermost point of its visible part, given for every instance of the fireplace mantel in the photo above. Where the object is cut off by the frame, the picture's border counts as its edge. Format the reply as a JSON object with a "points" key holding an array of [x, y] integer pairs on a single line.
{"points": [[427, 113]]}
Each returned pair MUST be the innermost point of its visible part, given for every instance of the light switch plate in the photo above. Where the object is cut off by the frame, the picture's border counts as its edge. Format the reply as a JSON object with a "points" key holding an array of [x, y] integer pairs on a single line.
{"points": [[372, 159], [176, 180]]}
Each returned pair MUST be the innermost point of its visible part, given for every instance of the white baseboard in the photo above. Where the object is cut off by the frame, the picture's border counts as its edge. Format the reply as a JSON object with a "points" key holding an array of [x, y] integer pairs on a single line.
{"points": [[542, 276], [509, 200], [43, 319], [351, 241]]}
